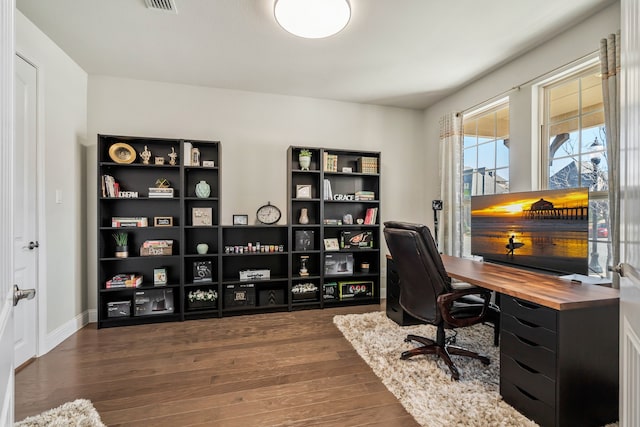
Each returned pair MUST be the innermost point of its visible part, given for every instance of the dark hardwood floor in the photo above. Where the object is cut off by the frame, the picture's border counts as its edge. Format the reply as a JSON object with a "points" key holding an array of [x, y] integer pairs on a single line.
{"points": [[293, 369]]}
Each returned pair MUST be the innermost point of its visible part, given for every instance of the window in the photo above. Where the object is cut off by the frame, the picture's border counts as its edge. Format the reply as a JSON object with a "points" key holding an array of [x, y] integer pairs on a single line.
{"points": [[574, 151], [485, 158], [486, 151]]}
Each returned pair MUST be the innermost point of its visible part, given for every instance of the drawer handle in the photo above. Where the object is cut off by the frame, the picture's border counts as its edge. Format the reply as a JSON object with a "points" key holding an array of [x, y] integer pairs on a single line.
{"points": [[526, 368], [526, 304], [525, 323], [526, 341], [526, 394]]}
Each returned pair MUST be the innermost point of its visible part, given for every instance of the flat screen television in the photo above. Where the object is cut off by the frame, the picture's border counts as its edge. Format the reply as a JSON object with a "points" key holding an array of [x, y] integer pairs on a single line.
{"points": [[542, 230]]}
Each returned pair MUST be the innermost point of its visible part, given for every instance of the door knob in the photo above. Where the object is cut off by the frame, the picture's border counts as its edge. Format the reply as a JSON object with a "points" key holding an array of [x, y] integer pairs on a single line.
{"points": [[19, 294], [33, 245]]}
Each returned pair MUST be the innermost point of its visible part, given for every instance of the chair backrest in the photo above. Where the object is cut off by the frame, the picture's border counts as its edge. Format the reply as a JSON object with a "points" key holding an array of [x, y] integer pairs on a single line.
{"points": [[422, 274]]}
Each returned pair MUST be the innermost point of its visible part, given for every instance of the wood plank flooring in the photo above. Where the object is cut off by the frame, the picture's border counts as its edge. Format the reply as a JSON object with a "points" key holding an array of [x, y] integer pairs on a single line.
{"points": [[293, 369]]}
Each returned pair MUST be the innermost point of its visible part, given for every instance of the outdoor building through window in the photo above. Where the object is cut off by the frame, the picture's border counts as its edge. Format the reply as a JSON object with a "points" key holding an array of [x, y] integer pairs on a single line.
{"points": [[485, 158], [574, 151]]}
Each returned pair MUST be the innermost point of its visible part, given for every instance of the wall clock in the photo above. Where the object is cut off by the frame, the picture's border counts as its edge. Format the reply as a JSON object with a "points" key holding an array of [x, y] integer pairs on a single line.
{"points": [[268, 214]]}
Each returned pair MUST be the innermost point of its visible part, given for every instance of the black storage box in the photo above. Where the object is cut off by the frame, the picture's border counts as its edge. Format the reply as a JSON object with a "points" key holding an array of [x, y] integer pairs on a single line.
{"points": [[119, 309], [356, 239], [153, 301], [271, 297], [338, 264], [240, 295]]}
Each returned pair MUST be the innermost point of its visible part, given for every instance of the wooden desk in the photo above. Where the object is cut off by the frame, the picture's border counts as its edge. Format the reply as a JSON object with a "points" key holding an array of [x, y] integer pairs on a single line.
{"points": [[558, 342], [546, 290]]}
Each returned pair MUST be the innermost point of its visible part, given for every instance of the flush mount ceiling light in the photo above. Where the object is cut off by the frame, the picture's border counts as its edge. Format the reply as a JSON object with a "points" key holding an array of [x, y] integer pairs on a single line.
{"points": [[312, 19]]}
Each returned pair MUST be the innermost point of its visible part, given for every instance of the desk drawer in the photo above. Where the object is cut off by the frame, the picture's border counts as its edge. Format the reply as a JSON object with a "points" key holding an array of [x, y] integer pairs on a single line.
{"points": [[530, 331], [535, 356], [531, 381], [530, 406], [532, 313]]}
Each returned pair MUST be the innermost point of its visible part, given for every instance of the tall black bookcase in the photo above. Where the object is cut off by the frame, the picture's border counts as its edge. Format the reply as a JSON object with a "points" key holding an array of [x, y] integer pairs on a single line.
{"points": [[125, 205]]}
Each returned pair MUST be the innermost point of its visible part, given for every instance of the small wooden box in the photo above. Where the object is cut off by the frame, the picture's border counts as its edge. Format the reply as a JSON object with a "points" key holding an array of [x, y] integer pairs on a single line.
{"points": [[167, 250]]}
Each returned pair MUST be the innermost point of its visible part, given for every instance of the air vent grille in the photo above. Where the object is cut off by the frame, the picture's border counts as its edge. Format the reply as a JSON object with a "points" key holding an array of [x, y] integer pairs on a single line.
{"points": [[162, 5]]}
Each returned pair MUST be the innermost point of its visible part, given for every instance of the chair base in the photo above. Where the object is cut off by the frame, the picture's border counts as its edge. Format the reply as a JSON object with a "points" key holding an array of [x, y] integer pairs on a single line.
{"points": [[443, 351]]}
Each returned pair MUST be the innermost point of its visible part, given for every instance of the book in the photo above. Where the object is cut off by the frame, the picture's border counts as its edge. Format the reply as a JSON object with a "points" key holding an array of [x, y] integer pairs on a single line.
{"points": [[371, 216], [186, 154], [121, 221], [124, 280]]}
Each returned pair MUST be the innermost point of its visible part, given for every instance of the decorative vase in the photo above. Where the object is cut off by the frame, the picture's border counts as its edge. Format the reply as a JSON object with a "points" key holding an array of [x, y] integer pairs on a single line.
{"points": [[122, 252], [202, 248], [304, 218], [203, 190], [304, 161]]}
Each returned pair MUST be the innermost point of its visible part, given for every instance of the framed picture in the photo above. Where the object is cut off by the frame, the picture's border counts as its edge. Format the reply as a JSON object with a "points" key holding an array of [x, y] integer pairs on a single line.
{"points": [[303, 191], [201, 217], [159, 276], [240, 219], [162, 221], [331, 244]]}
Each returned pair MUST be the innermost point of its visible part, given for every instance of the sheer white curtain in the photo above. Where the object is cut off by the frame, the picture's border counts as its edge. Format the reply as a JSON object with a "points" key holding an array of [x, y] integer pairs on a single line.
{"points": [[451, 139], [610, 69]]}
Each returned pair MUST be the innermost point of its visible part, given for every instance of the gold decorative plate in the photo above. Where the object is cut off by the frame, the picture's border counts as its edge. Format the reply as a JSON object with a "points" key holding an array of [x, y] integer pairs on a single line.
{"points": [[122, 153]]}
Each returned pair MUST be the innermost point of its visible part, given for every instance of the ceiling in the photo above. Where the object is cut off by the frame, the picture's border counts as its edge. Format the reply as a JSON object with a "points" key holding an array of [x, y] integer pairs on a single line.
{"points": [[404, 53]]}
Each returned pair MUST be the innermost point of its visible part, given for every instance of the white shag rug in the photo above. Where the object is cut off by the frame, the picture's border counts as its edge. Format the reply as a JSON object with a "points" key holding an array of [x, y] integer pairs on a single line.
{"points": [[79, 413], [423, 384]]}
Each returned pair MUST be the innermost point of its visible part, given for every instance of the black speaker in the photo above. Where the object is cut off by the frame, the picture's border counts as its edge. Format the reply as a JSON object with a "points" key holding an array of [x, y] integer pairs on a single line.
{"points": [[394, 310]]}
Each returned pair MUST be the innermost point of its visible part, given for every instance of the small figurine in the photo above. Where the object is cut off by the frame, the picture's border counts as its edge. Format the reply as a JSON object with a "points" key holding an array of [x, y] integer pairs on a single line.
{"points": [[172, 157], [145, 155]]}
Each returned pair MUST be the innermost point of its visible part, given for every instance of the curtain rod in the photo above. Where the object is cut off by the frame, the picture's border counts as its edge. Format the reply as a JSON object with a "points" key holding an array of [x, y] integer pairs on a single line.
{"points": [[516, 88]]}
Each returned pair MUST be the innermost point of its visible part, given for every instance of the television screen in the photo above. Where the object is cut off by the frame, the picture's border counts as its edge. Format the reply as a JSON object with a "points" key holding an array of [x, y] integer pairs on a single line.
{"points": [[546, 230]]}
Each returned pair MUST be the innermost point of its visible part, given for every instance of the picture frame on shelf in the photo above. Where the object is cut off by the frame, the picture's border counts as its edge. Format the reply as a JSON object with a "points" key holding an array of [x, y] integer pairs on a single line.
{"points": [[201, 217], [241, 219], [331, 244], [163, 221], [303, 191], [159, 276]]}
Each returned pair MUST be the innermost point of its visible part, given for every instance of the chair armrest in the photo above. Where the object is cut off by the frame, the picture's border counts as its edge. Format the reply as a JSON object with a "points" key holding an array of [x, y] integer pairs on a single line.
{"points": [[445, 301]]}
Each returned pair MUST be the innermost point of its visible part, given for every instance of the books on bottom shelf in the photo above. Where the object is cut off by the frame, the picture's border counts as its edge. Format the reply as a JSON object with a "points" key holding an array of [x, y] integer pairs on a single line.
{"points": [[371, 216], [124, 280]]}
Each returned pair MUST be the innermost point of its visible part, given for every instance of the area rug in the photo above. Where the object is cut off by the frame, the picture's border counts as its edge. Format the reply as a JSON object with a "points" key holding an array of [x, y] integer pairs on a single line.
{"points": [[79, 413], [423, 384]]}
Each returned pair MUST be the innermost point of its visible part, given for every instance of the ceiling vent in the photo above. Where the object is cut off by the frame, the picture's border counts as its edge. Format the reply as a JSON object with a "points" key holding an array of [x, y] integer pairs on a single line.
{"points": [[162, 5]]}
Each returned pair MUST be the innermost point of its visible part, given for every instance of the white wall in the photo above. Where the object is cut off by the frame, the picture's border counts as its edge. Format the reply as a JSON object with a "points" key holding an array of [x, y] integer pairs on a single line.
{"points": [[575, 43], [62, 121], [255, 131]]}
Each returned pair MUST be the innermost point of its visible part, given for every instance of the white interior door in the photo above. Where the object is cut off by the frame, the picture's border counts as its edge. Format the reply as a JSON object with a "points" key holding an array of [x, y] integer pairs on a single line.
{"points": [[7, 54], [25, 240], [630, 206]]}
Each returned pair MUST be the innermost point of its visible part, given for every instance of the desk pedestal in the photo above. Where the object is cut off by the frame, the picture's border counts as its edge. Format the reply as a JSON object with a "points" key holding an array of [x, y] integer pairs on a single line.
{"points": [[560, 368]]}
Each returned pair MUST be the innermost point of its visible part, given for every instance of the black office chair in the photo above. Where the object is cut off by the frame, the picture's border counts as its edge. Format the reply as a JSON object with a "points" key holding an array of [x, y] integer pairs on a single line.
{"points": [[426, 292]]}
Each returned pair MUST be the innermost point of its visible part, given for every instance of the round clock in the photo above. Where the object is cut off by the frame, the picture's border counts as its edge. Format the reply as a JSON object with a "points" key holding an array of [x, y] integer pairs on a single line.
{"points": [[268, 214]]}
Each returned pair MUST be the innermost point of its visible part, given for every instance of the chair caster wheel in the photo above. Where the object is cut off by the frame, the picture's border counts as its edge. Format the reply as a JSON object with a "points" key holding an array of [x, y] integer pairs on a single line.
{"points": [[455, 375]]}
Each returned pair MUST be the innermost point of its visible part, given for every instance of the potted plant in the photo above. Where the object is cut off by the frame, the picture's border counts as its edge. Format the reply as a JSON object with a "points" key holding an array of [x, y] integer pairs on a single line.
{"points": [[199, 299], [122, 249], [304, 159]]}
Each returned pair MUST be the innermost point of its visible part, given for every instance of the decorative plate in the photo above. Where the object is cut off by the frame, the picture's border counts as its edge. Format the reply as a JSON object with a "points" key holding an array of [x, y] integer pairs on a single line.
{"points": [[122, 153]]}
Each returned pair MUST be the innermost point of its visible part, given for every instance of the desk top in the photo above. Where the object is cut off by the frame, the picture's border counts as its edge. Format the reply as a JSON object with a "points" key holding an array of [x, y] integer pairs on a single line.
{"points": [[547, 290]]}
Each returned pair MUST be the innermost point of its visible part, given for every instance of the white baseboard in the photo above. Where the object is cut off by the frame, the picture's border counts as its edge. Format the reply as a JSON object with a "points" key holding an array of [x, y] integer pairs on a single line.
{"points": [[93, 315], [56, 337]]}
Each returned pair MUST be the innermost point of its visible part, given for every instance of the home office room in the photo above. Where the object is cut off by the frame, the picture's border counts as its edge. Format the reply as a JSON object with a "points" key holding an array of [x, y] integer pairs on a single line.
{"points": [[415, 216]]}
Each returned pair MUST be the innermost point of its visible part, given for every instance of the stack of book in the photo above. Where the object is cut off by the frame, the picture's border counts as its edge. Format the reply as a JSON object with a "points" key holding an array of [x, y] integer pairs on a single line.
{"points": [[110, 188], [368, 165], [159, 193], [135, 221], [371, 216], [330, 162], [124, 280], [156, 247], [365, 195]]}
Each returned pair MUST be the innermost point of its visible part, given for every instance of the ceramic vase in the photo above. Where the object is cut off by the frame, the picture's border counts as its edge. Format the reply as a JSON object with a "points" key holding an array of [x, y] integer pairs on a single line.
{"points": [[304, 218], [202, 248], [203, 190], [304, 162], [122, 252]]}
